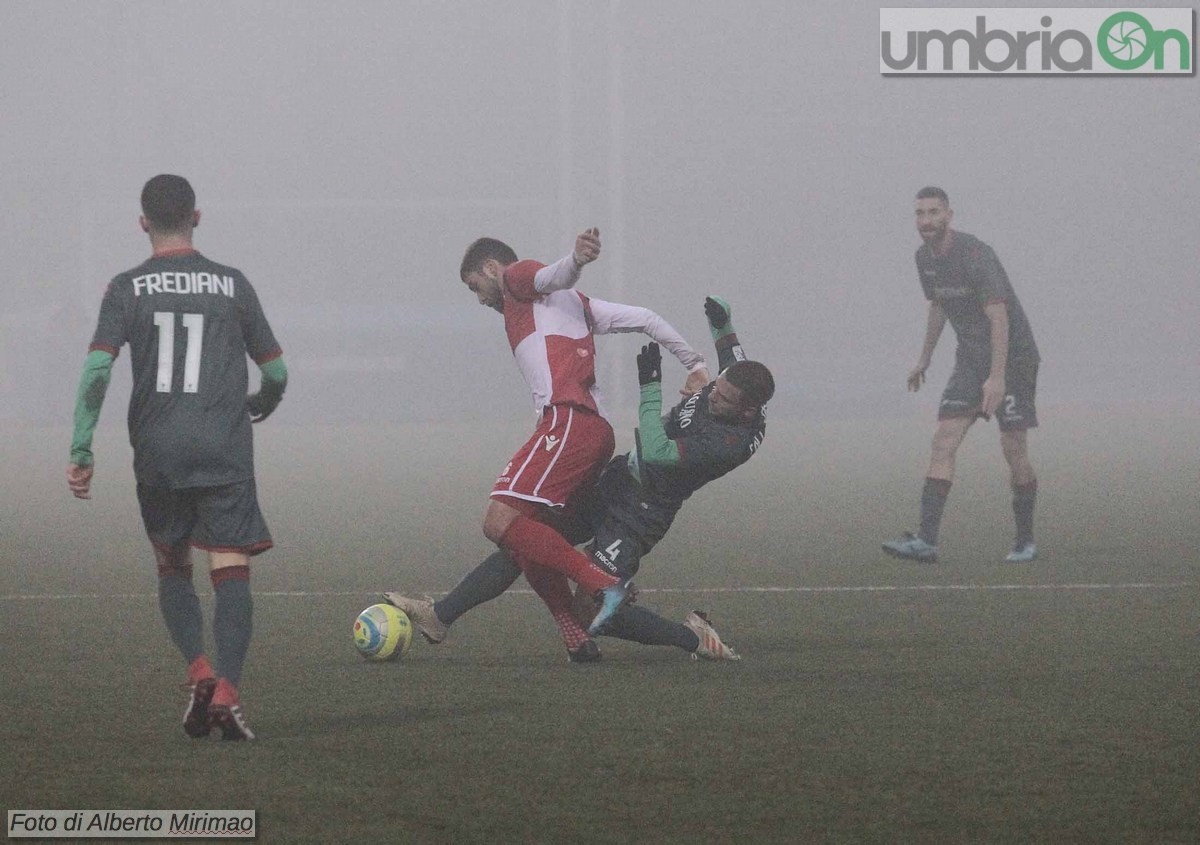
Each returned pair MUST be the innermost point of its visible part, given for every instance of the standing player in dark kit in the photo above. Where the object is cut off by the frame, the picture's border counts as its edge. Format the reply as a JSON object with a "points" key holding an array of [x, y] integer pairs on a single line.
{"points": [[638, 495], [189, 323], [995, 371]]}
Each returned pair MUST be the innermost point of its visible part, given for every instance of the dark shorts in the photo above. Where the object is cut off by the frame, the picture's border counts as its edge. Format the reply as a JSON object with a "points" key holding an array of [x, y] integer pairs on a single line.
{"points": [[213, 519], [624, 526], [964, 393], [617, 549]]}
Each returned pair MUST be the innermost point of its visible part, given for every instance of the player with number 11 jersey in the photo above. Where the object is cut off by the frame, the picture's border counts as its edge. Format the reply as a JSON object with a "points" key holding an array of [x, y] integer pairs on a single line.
{"points": [[190, 324], [190, 319]]}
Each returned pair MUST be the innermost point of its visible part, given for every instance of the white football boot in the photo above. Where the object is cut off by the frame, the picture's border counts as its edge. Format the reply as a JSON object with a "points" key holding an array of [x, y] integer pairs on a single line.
{"points": [[711, 647], [422, 614]]}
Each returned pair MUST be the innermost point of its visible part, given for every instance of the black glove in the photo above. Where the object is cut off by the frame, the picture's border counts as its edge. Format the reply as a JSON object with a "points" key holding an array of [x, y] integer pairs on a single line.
{"points": [[649, 364], [717, 311], [261, 406]]}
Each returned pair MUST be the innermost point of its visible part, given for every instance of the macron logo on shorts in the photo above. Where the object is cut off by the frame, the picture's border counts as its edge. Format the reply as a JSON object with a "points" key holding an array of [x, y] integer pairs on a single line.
{"points": [[551, 442]]}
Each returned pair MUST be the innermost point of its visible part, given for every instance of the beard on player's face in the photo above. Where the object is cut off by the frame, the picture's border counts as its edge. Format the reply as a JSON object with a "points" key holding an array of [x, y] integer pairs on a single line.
{"points": [[486, 286], [933, 219]]}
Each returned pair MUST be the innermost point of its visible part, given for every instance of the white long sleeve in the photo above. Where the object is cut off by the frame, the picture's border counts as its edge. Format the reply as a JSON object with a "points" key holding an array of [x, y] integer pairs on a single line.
{"points": [[560, 275], [613, 317]]}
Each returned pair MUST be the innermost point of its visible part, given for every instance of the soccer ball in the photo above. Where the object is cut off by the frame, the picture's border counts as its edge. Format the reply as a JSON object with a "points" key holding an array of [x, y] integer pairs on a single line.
{"points": [[382, 632]]}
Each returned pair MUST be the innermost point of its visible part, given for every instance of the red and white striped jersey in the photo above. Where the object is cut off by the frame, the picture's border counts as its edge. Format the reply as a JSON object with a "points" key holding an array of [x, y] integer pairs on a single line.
{"points": [[551, 327]]}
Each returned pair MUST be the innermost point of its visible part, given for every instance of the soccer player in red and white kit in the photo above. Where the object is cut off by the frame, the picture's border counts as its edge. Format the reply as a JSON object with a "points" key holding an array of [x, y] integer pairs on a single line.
{"points": [[551, 329]]}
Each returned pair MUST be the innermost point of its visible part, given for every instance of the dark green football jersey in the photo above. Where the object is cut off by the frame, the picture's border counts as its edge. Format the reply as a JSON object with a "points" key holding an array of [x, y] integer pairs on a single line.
{"points": [[708, 449], [962, 281], [190, 324]]}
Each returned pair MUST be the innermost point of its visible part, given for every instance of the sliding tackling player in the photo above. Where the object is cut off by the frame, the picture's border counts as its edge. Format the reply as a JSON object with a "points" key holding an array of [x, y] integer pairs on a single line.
{"points": [[638, 495]]}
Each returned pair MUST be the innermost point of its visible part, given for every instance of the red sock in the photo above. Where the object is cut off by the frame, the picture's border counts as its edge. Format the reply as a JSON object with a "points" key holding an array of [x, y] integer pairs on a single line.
{"points": [[229, 573], [553, 589], [226, 694], [543, 545], [200, 669]]}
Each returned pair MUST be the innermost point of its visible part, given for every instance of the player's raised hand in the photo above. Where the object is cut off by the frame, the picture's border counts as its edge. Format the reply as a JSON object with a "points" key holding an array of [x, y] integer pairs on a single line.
{"points": [[587, 246], [649, 362], [79, 479], [718, 311], [720, 317]]}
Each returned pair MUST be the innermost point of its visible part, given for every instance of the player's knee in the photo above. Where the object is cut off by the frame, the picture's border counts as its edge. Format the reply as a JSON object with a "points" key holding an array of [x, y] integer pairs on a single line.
{"points": [[495, 523], [1015, 447], [228, 560], [173, 558], [500, 515], [945, 446]]}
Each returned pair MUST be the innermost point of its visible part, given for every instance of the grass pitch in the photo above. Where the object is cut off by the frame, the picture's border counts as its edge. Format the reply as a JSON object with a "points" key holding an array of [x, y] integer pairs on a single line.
{"points": [[964, 702]]}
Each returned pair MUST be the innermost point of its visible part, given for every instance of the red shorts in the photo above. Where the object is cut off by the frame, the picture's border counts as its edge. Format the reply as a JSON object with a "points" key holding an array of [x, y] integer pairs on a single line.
{"points": [[565, 454]]}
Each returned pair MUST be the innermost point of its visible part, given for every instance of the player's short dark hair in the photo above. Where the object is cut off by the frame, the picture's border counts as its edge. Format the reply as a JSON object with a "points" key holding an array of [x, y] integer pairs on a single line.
{"points": [[168, 202], [753, 379], [935, 193], [483, 250]]}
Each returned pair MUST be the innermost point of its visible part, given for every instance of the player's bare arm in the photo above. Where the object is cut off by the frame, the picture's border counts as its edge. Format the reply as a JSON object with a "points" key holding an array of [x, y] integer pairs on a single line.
{"points": [[993, 387], [934, 325]]}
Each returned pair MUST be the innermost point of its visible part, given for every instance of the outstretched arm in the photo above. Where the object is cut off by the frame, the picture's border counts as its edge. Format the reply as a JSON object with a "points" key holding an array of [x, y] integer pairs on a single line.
{"points": [[564, 273], [89, 399], [720, 325], [613, 317], [653, 445]]}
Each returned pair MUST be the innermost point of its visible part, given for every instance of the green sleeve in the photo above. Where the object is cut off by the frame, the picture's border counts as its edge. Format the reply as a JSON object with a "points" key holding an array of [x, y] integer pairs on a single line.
{"points": [[270, 390], [654, 447], [93, 384], [274, 378], [727, 329]]}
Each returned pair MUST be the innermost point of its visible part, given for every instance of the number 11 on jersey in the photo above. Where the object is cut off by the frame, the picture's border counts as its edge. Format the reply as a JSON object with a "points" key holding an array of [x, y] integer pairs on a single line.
{"points": [[194, 324]]}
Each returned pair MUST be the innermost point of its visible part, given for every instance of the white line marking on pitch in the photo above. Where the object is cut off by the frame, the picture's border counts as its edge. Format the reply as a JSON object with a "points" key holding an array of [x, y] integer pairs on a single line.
{"points": [[916, 588]]}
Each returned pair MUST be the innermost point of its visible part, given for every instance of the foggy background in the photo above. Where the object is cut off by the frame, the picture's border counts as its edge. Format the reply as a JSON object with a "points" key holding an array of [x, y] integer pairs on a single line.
{"points": [[344, 154]]}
